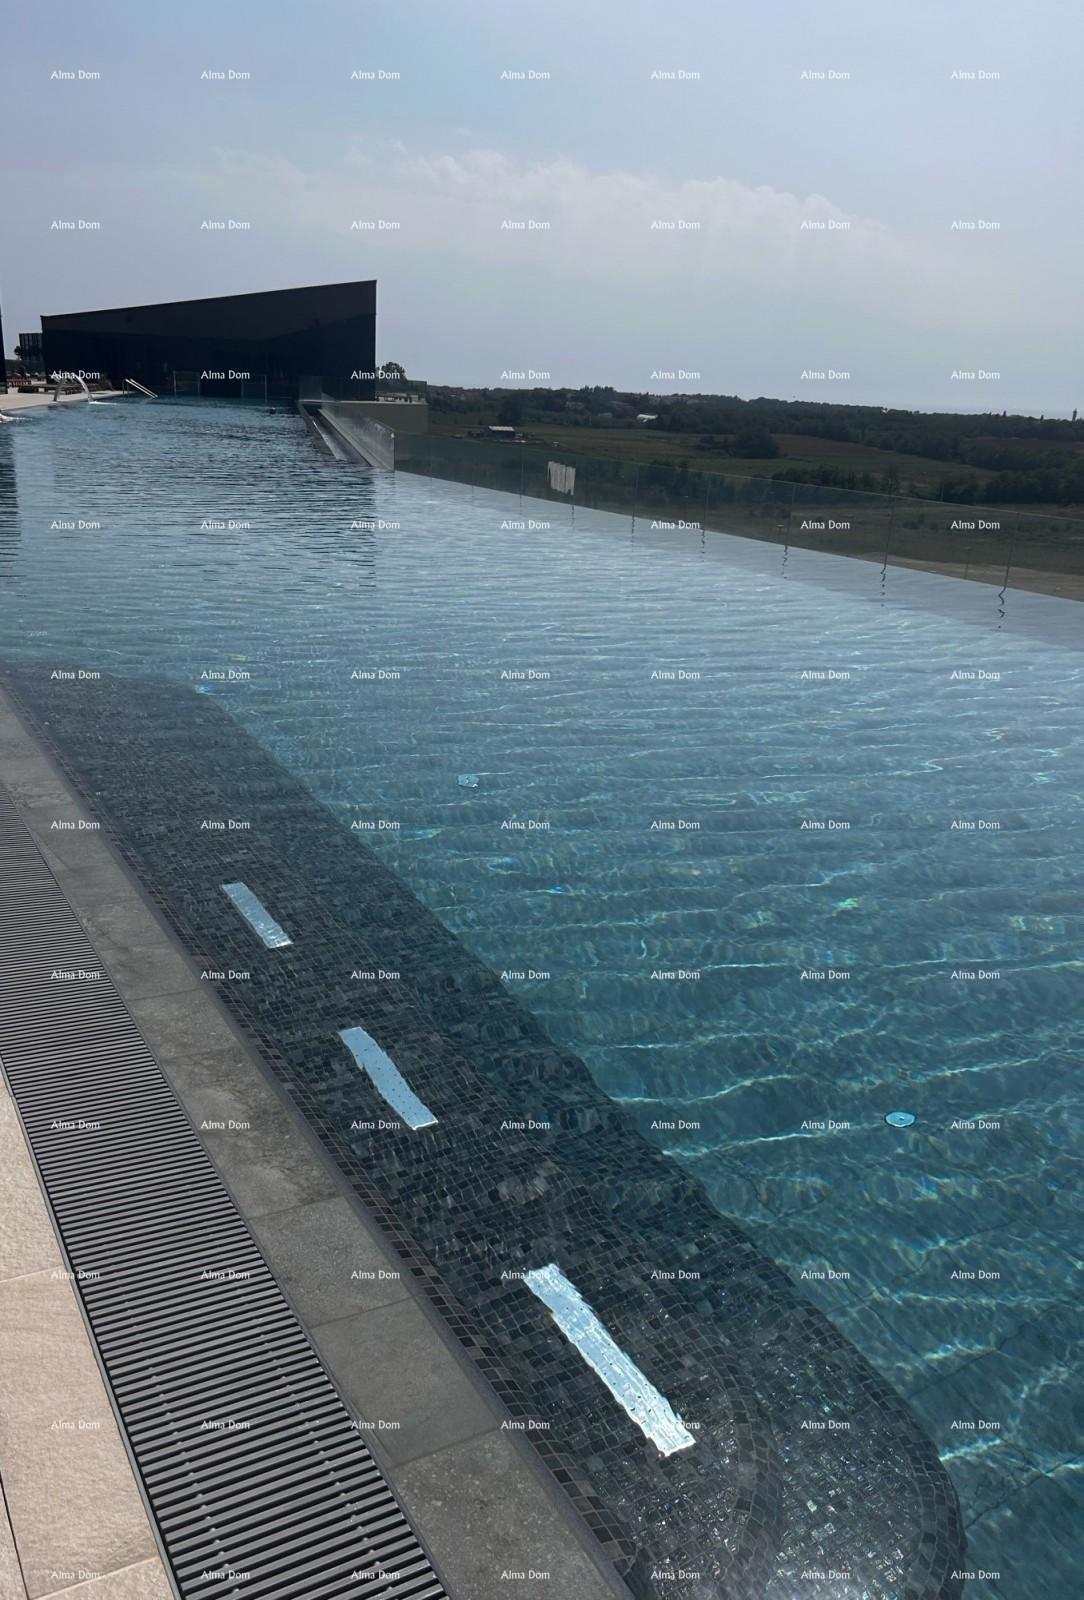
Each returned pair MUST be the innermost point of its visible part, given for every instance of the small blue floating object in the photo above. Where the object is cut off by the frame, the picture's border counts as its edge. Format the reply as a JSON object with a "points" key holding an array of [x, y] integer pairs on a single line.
{"points": [[900, 1119], [468, 780]]}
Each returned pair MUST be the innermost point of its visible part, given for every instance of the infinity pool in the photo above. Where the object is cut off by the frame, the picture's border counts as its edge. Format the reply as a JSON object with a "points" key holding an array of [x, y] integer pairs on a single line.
{"points": [[778, 842]]}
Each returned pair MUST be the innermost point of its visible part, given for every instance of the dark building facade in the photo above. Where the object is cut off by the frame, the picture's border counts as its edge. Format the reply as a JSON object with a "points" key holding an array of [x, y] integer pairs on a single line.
{"points": [[28, 352], [3, 361], [326, 332]]}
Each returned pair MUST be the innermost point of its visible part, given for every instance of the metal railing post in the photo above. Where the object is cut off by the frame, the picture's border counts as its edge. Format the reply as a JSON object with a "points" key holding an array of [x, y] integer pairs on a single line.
{"points": [[1012, 550], [891, 529]]}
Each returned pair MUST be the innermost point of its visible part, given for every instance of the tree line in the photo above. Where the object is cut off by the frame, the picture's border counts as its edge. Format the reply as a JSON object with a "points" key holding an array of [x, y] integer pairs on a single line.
{"points": [[1022, 460]]}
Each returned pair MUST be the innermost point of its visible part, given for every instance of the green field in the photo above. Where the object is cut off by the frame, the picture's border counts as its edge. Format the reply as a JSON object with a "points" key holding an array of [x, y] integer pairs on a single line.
{"points": [[919, 475], [644, 444]]}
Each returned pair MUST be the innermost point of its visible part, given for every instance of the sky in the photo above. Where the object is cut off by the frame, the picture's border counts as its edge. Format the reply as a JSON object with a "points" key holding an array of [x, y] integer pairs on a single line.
{"points": [[786, 199]]}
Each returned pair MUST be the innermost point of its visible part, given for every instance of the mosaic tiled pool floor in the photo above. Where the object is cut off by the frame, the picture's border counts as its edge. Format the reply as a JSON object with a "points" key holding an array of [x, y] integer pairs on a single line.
{"points": [[809, 1475]]}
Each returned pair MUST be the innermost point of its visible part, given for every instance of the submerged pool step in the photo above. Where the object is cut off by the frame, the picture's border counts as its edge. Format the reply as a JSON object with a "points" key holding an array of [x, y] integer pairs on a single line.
{"points": [[257, 916], [635, 1394], [255, 1474], [386, 1078]]}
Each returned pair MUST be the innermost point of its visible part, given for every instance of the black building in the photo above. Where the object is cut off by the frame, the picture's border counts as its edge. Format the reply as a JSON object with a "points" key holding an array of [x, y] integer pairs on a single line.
{"points": [[325, 334], [28, 352], [3, 361]]}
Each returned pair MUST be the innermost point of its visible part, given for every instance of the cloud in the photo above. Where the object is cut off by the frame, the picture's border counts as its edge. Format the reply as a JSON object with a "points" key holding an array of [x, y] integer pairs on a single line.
{"points": [[622, 227], [623, 271]]}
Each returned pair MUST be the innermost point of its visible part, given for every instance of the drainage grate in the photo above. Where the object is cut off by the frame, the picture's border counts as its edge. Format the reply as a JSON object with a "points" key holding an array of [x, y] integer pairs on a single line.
{"points": [[253, 1468]]}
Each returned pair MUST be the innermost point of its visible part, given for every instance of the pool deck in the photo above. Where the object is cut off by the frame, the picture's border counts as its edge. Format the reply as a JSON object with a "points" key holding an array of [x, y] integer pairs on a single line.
{"points": [[15, 401], [477, 1494]]}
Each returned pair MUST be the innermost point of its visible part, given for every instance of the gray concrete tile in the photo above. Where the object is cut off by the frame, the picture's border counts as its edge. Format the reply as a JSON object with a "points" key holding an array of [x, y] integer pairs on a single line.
{"points": [[122, 916], [78, 848], [327, 1260], [71, 1496], [262, 1152], [106, 900], [15, 741], [486, 1487], [175, 1028], [196, 1074], [35, 783], [145, 1581], [145, 969], [12, 744], [403, 1381], [136, 948], [85, 883], [27, 1240]]}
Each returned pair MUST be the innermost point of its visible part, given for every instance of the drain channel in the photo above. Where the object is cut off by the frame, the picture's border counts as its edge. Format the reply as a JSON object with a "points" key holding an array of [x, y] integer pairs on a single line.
{"points": [[254, 1470]]}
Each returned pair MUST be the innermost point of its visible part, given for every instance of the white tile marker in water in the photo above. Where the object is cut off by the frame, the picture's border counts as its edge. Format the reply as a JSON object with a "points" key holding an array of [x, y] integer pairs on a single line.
{"points": [[387, 1078], [257, 915], [634, 1393]]}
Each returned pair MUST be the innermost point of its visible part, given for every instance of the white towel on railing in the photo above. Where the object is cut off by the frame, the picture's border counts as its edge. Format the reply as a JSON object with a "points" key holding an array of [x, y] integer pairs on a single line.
{"points": [[562, 478]]}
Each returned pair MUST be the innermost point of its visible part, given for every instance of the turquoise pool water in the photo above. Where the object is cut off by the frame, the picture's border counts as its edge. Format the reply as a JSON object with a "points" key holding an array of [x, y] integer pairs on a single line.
{"points": [[778, 842]]}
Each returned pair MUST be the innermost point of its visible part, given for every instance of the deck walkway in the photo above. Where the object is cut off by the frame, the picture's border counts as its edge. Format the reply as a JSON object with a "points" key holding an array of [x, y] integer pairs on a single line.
{"points": [[18, 404]]}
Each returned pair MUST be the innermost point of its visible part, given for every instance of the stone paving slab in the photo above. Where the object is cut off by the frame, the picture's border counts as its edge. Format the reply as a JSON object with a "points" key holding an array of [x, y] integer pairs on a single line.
{"points": [[68, 1482], [144, 1581], [466, 1480], [412, 1391], [327, 1267], [262, 1154], [27, 1241]]}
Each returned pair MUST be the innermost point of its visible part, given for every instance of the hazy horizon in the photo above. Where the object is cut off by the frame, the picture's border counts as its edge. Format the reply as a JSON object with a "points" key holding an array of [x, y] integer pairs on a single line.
{"points": [[746, 225]]}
